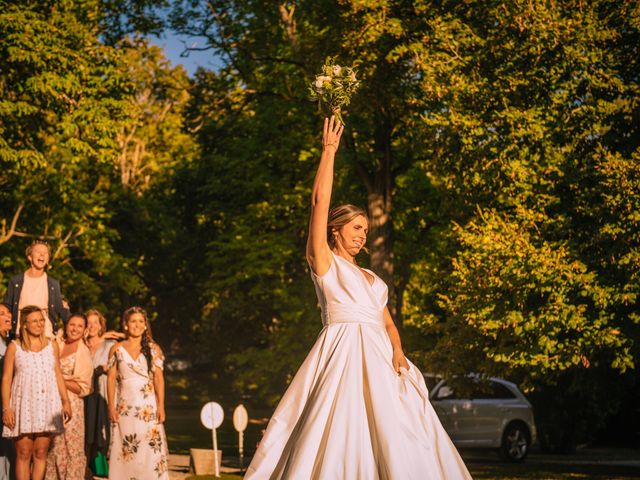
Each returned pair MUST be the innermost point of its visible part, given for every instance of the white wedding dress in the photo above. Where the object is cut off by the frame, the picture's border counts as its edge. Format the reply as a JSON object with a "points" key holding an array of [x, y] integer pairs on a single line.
{"points": [[347, 414]]}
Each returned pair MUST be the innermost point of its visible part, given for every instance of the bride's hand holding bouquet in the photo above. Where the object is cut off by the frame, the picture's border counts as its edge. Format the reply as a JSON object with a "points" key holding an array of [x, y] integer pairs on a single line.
{"points": [[331, 134], [333, 88]]}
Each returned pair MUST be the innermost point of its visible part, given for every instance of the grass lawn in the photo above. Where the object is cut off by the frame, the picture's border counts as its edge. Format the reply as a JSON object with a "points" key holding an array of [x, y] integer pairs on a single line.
{"points": [[223, 476], [532, 471], [187, 393], [536, 467], [550, 472]]}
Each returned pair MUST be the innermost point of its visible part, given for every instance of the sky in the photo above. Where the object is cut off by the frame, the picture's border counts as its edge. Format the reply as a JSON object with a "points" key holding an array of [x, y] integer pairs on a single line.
{"points": [[174, 44]]}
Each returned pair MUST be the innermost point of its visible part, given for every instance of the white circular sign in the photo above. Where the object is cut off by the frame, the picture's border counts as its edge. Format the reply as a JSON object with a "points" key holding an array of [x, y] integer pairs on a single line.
{"points": [[240, 418], [212, 415]]}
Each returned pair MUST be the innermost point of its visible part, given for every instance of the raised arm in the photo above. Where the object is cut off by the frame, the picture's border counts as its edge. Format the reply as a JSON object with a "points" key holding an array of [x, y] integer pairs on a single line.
{"points": [[318, 252]]}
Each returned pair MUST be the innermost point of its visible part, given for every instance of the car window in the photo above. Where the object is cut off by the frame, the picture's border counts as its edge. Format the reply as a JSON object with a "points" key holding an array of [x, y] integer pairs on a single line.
{"points": [[491, 390], [445, 392], [457, 389], [473, 389]]}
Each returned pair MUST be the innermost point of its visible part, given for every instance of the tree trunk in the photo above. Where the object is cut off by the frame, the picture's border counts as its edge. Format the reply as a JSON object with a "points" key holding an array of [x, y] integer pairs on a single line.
{"points": [[381, 244]]}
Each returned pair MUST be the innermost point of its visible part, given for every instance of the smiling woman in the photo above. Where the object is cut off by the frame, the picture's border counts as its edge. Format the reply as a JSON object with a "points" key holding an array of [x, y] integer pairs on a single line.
{"points": [[35, 402], [357, 408], [135, 391], [66, 458]]}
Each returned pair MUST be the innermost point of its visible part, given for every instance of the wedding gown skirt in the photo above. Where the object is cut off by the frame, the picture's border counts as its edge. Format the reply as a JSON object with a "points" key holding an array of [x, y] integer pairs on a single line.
{"points": [[347, 414]]}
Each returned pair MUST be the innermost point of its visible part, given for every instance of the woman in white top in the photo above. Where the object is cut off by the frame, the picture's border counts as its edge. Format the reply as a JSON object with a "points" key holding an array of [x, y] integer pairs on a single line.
{"points": [[35, 403]]}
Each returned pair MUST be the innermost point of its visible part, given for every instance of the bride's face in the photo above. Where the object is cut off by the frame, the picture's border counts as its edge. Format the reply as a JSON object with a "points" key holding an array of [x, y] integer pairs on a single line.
{"points": [[353, 235]]}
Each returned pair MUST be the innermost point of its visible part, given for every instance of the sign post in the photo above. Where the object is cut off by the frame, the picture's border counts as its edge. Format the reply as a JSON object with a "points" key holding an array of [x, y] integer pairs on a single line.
{"points": [[211, 417], [240, 421]]}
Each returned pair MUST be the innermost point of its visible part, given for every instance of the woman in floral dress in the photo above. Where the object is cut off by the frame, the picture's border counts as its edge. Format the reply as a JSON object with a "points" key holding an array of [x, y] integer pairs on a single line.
{"points": [[135, 395], [66, 459]]}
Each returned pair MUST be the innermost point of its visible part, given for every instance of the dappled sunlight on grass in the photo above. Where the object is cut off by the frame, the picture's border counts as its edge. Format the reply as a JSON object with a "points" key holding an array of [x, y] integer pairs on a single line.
{"points": [[186, 394]]}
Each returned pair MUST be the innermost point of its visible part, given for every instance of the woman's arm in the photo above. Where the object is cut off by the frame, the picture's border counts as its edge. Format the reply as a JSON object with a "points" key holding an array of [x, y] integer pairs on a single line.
{"points": [[8, 415], [318, 252], [158, 382], [62, 388], [72, 386], [113, 335], [112, 374], [398, 360]]}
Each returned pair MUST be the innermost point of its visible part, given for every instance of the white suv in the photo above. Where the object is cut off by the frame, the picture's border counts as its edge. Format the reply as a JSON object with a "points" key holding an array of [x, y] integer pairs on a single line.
{"points": [[491, 413]]}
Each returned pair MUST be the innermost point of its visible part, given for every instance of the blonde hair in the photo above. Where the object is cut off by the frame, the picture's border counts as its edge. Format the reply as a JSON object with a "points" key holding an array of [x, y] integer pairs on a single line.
{"points": [[101, 319], [33, 244], [338, 217], [25, 341]]}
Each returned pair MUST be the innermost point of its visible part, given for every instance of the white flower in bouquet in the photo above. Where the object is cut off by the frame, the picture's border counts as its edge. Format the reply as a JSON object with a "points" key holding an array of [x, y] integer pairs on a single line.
{"points": [[333, 88]]}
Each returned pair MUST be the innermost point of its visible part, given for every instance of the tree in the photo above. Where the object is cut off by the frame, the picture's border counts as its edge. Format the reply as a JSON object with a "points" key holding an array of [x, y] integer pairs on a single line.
{"points": [[71, 108], [528, 114], [58, 123]]}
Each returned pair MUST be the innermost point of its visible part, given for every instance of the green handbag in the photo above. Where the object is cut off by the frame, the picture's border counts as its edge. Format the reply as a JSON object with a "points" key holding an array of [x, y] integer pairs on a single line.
{"points": [[99, 465]]}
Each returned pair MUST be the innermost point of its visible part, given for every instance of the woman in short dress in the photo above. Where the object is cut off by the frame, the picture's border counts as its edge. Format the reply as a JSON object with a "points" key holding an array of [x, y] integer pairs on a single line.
{"points": [[35, 403], [135, 395]]}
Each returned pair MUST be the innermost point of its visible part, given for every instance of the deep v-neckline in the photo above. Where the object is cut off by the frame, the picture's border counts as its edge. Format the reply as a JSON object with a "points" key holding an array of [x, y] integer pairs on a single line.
{"points": [[361, 271], [135, 360]]}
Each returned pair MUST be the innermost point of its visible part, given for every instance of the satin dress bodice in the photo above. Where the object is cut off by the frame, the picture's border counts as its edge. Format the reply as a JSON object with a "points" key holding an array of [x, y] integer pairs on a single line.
{"points": [[346, 295]]}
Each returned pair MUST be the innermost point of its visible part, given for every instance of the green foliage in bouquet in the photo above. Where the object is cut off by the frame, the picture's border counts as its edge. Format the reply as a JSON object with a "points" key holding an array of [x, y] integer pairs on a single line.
{"points": [[333, 88]]}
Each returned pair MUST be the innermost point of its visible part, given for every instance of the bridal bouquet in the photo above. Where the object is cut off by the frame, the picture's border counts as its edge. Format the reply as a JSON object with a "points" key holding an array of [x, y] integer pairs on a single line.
{"points": [[333, 88]]}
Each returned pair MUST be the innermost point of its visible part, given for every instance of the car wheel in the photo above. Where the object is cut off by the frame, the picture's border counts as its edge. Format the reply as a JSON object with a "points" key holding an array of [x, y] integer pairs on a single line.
{"points": [[515, 443]]}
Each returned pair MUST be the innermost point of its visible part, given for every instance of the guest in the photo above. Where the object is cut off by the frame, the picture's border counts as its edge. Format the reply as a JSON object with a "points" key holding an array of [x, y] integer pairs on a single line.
{"points": [[138, 446], [7, 451], [66, 459], [96, 413], [35, 287], [35, 403]]}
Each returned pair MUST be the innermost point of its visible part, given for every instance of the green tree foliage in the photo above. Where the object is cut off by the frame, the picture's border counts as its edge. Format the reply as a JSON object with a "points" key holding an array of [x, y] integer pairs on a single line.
{"points": [[61, 104], [84, 126], [497, 146], [530, 115]]}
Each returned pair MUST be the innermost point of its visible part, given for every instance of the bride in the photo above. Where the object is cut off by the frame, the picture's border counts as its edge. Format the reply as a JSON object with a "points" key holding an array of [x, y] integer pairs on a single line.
{"points": [[357, 408]]}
